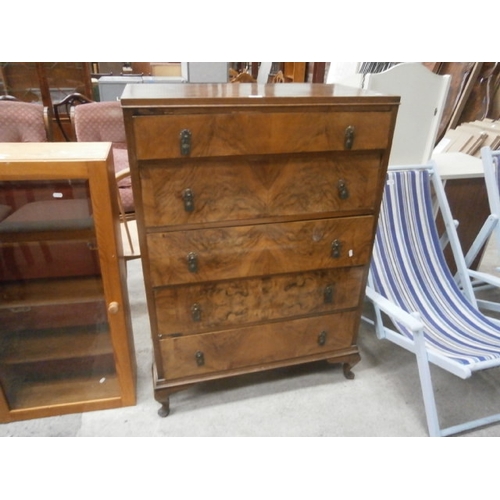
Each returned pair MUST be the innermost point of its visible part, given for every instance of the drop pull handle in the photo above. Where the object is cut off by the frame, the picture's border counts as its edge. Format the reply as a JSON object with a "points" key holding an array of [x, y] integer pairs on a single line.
{"points": [[196, 312], [185, 142], [200, 358], [328, 294], [349, 137], [188, 197], [342, 188], [322, 338], [192, 262], [336, 247]]}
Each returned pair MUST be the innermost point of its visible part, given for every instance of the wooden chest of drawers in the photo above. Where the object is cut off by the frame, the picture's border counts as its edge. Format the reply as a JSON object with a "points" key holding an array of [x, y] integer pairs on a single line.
{"points": [[256, 207]]}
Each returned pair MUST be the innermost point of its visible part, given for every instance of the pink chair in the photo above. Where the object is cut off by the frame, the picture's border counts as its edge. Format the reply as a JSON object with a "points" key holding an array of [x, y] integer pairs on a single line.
{"points": [[23, 121], [103, 121]]}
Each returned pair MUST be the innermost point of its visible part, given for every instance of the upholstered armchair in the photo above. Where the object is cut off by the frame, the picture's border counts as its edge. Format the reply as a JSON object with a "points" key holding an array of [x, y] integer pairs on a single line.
{"points": [[23, 122], [103, 121]]}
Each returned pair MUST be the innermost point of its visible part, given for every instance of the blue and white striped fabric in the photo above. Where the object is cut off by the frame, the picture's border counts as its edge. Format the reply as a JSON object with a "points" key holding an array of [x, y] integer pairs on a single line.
{"points": [[409, 269]]}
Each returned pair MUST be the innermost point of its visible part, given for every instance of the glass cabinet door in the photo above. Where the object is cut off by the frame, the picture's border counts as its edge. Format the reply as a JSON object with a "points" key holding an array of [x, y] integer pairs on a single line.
{"points": [[55, 341]]}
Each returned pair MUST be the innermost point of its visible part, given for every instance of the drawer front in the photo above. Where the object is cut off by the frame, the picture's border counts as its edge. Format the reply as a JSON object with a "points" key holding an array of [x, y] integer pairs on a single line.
{"points": [[207, 353], [188, 309], [229, 189], [258, 133], [259, 250]]}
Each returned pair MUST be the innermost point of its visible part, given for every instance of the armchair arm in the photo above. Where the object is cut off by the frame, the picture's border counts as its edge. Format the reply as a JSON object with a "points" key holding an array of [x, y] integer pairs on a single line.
{"points": [[122, 174], [410, 321]]}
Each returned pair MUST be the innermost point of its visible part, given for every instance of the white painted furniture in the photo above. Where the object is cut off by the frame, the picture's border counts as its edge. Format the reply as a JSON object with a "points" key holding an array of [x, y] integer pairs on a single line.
{"points": [[423, 96]]}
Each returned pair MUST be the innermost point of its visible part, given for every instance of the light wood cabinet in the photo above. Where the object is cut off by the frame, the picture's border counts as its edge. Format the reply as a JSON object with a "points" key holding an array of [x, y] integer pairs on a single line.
{"points": [[66, 341], [256, 208]]}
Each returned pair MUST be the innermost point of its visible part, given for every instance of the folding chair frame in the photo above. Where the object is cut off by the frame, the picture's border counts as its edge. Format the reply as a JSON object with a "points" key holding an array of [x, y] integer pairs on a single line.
{"points": [[412, 321]]}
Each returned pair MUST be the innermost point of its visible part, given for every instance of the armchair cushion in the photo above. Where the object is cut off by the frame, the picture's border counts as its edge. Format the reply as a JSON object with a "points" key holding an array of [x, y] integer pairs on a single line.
{"points": [[100, 121], [4, 211]]}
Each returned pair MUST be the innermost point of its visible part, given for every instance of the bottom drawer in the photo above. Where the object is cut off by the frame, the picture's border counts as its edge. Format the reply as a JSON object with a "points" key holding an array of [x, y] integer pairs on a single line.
{"points": [[198, 355]]}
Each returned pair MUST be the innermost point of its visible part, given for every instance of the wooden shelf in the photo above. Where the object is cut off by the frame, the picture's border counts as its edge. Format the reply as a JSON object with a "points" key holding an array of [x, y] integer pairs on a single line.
{"points": [[73, 234], [44, 220], [50, 292], [50, 345]]}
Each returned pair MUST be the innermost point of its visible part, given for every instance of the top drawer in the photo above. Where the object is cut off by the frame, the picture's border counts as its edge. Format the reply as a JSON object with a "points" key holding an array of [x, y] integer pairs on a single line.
{"points": [[254, 133]]}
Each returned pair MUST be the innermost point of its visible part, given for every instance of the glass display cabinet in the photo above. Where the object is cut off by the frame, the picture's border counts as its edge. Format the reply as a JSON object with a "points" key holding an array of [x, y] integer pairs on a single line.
{"points": [[66, 342]]}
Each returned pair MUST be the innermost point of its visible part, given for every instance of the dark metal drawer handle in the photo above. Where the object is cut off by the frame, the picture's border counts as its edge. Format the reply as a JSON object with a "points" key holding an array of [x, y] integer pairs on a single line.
{"points": [[328, 294], [336, 247], [188, 197], [196, 312], [343, 191], [322, 338], [349, 137], [185, 142], [200, 358], [192, 262]]}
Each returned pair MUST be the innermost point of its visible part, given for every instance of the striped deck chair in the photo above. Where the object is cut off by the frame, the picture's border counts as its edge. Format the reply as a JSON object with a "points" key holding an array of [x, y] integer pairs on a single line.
{"points": [[410, 281]]}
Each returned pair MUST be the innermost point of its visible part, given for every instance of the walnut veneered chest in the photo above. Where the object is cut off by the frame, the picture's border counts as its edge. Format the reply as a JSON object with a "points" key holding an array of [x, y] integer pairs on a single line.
{"points": [[256, 207]]}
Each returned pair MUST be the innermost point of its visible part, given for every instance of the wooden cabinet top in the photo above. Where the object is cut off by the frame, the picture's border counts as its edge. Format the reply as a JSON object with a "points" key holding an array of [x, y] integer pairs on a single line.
{"points": [[51, 160], [248, 94], [68, 152]]}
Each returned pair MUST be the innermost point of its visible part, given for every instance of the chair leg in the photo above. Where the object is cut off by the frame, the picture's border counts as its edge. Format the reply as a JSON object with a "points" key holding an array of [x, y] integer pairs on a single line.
{"points": [[427, 387]]}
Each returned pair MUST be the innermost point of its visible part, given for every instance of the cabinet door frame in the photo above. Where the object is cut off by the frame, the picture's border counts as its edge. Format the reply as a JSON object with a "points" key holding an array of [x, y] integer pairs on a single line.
{"points": [[92, 162]]}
